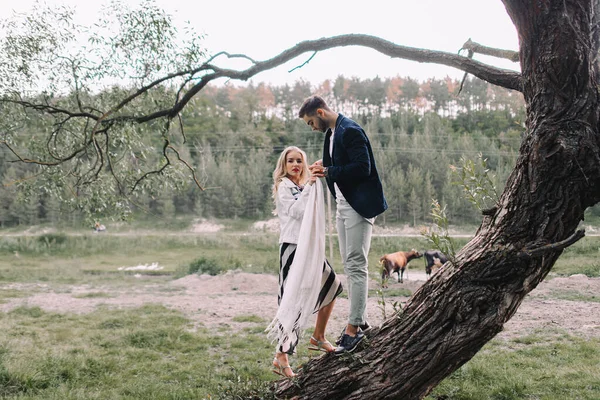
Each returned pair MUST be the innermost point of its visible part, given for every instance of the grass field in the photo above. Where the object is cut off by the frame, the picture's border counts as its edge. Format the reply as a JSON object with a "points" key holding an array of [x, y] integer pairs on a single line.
{"points": [[154, 352]]}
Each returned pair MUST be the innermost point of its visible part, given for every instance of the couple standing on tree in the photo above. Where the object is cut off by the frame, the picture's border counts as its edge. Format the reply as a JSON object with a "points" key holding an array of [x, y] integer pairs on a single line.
{"points": [[307, 283]]}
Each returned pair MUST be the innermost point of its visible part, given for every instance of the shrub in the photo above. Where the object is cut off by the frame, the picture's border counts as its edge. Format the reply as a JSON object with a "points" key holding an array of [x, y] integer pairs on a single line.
{"points": [[204, 266], [50, 239], [592, 271]]}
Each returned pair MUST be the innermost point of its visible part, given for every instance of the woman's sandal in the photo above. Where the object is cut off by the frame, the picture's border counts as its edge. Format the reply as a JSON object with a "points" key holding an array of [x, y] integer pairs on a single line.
{"points": [[318, 345], [280, 369]]}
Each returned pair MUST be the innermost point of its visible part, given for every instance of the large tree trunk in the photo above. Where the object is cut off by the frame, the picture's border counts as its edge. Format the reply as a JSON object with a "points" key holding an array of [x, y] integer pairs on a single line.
{"points": [[556, 178]]}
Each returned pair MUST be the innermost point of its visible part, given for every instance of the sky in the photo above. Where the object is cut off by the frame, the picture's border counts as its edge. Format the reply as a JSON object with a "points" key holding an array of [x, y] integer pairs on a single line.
{"points": [[262, 29]]}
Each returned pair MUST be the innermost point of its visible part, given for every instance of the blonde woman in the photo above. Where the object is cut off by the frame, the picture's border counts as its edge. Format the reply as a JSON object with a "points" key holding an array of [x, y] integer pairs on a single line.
{"points": [[297, 198]]}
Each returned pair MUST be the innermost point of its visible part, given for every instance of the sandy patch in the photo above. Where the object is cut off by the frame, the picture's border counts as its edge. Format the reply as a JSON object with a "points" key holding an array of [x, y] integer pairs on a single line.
{"points": [[542, 309], [271, 225], [213, 301], [204, 226]]}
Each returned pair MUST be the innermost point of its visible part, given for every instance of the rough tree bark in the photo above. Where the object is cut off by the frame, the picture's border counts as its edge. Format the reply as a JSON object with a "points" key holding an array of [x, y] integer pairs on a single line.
{"points": [[556, 178]]}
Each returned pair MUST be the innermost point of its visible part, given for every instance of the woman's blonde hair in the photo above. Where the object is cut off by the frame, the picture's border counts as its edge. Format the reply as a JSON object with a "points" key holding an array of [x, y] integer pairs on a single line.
{"points": [[279, 172]]}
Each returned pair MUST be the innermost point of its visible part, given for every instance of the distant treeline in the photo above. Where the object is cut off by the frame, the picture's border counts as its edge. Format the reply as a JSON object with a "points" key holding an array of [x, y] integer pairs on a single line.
{"points": [[234, 134]]}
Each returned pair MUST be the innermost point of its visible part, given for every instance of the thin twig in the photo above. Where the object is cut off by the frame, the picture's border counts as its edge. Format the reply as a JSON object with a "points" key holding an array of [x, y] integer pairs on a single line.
{"points": [[192, 170], [304, 63]]}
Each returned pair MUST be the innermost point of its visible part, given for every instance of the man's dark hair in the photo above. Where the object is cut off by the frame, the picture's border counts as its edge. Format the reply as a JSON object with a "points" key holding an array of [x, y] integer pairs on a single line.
{"points": [[310, 106]]}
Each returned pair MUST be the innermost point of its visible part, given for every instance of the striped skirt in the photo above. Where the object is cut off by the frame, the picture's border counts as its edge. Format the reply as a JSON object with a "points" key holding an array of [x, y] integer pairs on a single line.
{"points": [[331, 287]]}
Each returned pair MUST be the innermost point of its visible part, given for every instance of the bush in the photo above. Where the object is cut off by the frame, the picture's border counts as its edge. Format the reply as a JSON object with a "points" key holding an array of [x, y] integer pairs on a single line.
{"points": [[50, 239], [204, 266], [591, 271]]}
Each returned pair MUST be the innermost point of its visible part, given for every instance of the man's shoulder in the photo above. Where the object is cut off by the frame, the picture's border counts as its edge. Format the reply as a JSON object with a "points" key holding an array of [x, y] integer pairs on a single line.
{"points": [[347, 123]]}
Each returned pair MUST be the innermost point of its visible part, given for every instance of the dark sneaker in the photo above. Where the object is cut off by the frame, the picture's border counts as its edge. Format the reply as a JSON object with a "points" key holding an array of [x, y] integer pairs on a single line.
{"points": [[348, 343], [364, 328]]}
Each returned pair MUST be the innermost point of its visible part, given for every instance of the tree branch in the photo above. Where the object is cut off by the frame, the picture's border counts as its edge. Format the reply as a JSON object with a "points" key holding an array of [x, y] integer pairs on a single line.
{"points": [[192, 169], [39, 162], [104, 120], [138, 181], [491, 51], [50, 109], [541, 250], [497, 76]]}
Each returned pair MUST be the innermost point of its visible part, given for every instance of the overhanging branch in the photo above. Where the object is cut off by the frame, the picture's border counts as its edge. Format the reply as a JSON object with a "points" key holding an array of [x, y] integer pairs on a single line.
{"points": [[497, 76], [208, 71]]}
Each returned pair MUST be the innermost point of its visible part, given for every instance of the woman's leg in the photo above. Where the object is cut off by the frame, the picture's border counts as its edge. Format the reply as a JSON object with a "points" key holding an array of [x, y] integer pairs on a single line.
{"points": [[321, 325], [322, 319], [282, 363]]}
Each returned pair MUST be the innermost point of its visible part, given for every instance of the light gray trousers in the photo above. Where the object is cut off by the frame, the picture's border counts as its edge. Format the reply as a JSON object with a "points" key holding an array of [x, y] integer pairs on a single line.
{"points": [[354, 233]]}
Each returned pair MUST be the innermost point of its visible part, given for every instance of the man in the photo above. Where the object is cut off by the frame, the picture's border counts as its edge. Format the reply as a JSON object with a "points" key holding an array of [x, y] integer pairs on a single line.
{"points": [[349, 168]]}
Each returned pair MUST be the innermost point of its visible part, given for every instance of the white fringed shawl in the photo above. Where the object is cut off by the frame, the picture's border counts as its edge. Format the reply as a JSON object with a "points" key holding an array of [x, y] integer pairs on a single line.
{"points": [[303, 282]]}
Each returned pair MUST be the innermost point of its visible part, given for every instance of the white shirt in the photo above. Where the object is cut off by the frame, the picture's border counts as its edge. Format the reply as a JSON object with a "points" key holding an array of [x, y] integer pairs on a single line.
{"points": [[338, 193], [290, 205]]}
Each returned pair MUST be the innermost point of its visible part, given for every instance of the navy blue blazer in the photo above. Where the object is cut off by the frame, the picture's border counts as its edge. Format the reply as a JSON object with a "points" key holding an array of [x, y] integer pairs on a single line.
{"points": [[353, 168]]}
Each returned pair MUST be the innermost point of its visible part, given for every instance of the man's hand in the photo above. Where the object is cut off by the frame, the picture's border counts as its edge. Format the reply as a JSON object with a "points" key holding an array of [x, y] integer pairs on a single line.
{"points": [[316, 169]]}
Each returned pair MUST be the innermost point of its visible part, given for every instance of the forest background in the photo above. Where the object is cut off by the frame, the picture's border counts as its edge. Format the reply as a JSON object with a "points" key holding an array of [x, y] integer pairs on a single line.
{"points": [[421, 134]]}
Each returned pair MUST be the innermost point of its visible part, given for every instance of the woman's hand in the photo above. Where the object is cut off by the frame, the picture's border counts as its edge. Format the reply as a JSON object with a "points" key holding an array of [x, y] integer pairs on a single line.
{"points": [[312, 179]]}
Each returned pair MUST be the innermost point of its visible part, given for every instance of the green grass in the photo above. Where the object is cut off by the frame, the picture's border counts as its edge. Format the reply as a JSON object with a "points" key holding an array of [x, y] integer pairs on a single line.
{"points": [[152, 352], [93, 295], [387, 292], [145, 353], [236, 225], [156, 353], [580, 258], [574, 296], [67, 259], [563, 369], [393, 292], [6, 294], [96, 258], [249, 318]]}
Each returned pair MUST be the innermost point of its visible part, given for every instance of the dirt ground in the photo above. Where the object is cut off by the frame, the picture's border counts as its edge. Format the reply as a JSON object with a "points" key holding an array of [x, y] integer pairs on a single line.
{"points": [[214, 301]]}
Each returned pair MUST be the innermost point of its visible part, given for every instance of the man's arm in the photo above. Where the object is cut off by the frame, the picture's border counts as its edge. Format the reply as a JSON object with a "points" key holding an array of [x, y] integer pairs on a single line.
{"points": [[355, 143]]}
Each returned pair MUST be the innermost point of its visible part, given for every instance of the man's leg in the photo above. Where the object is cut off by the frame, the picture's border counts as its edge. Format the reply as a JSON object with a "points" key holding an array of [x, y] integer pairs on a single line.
{"points": [[357, 241], [341, 229], [356, 233]]}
